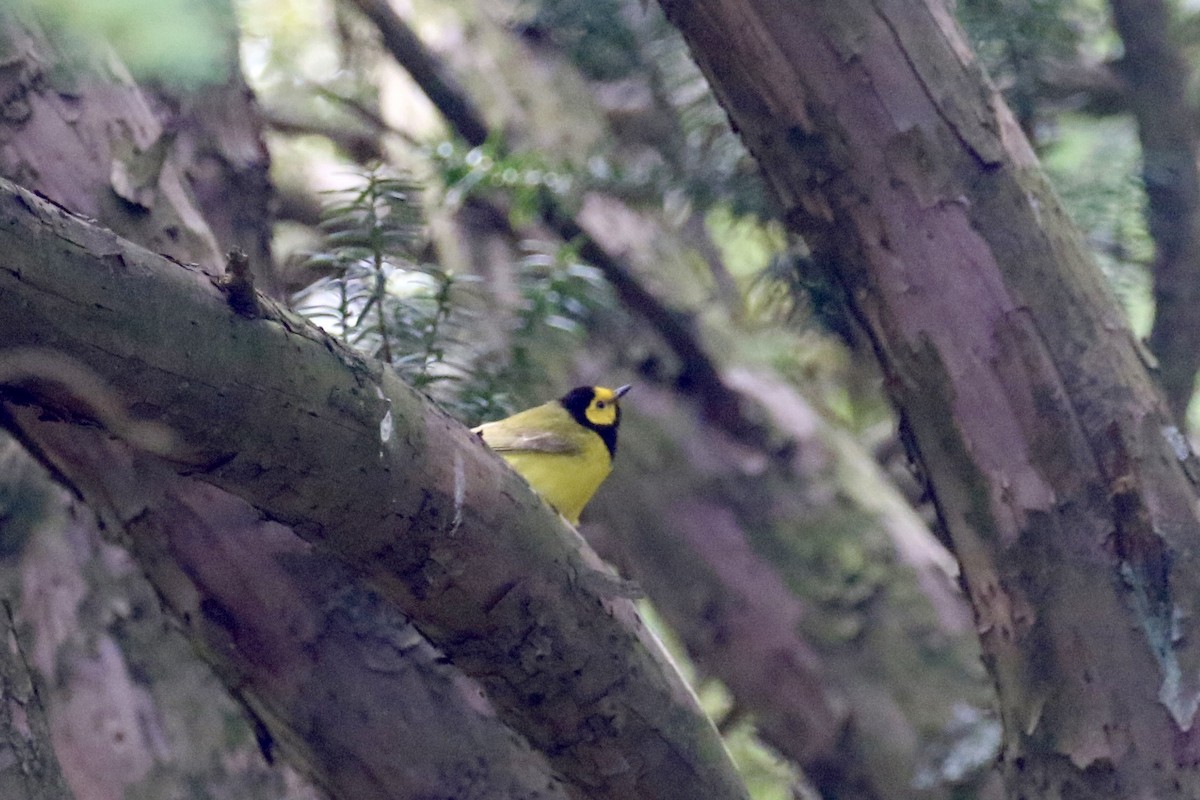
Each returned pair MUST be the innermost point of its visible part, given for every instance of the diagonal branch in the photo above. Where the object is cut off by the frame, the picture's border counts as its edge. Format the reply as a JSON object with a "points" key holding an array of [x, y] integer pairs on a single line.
{"points": [[427, 70], [312, 435]]}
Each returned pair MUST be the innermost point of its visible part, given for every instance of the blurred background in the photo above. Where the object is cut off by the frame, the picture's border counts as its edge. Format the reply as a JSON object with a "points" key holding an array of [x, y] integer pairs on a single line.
{"points": [[508, 199]]}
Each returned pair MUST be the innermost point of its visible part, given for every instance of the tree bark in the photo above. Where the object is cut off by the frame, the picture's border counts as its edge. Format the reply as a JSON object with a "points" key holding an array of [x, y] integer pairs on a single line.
{"points": [[319, 439], [224, 160], [334, 677], [1158, 78], [1055, 465], [129, 707], [216, 140], [806, 588], [112, 159], [29, 767]]}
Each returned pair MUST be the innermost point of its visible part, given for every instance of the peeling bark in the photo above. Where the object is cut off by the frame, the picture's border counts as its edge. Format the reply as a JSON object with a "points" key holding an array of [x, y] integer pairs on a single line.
{"points": [[218, 140], [1053, 461], [216, 133], [91, 142]]}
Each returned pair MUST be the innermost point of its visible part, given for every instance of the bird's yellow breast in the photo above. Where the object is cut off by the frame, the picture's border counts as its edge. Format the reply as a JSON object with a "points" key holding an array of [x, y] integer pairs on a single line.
{"points": [[566, 481]]}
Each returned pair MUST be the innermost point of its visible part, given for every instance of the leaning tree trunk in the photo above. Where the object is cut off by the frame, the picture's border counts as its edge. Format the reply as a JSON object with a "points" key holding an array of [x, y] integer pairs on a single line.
{"points": [[1054, 463]]}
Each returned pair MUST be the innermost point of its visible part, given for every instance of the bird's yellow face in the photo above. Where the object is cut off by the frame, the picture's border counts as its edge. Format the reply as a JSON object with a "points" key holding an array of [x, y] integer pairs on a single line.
{"points": [[603, 410], [596, 408]]}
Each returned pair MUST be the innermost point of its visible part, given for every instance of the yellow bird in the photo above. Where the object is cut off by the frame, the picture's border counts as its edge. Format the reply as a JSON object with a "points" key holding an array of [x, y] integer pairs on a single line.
{"points": [[564, 449]]}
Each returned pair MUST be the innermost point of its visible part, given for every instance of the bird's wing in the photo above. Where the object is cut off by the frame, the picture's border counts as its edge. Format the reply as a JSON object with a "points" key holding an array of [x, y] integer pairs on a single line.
{"points": [[502, 439]]}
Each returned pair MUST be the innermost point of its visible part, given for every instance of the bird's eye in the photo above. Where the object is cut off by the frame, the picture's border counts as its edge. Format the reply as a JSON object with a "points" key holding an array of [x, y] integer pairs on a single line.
{"points": [[600, 404]]}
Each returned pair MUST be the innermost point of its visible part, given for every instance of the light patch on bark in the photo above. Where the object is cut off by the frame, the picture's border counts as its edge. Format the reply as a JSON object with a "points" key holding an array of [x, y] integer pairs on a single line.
{"points": [[1179, 696], [21, 365], [1178, 442], [387, 425], [460, 493]]}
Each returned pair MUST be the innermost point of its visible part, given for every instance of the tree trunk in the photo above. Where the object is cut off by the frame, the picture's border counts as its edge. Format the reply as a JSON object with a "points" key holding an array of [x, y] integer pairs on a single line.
{"points": [[1158, 78], [89, 140], [1054, 463], [802, 583]]}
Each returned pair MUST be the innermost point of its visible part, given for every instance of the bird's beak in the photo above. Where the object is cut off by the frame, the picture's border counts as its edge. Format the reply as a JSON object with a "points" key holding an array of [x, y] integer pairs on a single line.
{"points": [[621, 390]]}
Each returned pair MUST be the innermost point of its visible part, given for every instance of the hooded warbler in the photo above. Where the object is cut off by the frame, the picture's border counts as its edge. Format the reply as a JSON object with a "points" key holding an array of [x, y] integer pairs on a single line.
{"points": [[564, 449]]}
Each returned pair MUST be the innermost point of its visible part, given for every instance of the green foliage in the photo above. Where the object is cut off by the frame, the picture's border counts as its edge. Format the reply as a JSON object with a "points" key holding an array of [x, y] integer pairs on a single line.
{"points": [[694, 156], [522, 178], [177, 42], [559, 296], [801, 290], [593, 34], [709, 164], [1018, 39], [1095, 167], [424, 320], [377, 295]]}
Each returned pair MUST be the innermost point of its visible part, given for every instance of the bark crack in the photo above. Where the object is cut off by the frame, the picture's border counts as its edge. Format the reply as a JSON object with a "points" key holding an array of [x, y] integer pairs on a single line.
{"points": [[915, 66]]}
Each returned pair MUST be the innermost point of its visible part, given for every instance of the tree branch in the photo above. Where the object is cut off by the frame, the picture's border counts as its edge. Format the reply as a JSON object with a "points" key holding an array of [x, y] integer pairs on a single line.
{"points": [[322, 440], [358, 144], [427, 70]]}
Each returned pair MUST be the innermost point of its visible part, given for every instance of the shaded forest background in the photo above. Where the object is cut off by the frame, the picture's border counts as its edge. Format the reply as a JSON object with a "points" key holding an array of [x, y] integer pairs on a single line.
{"points": [[503, 201]]}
